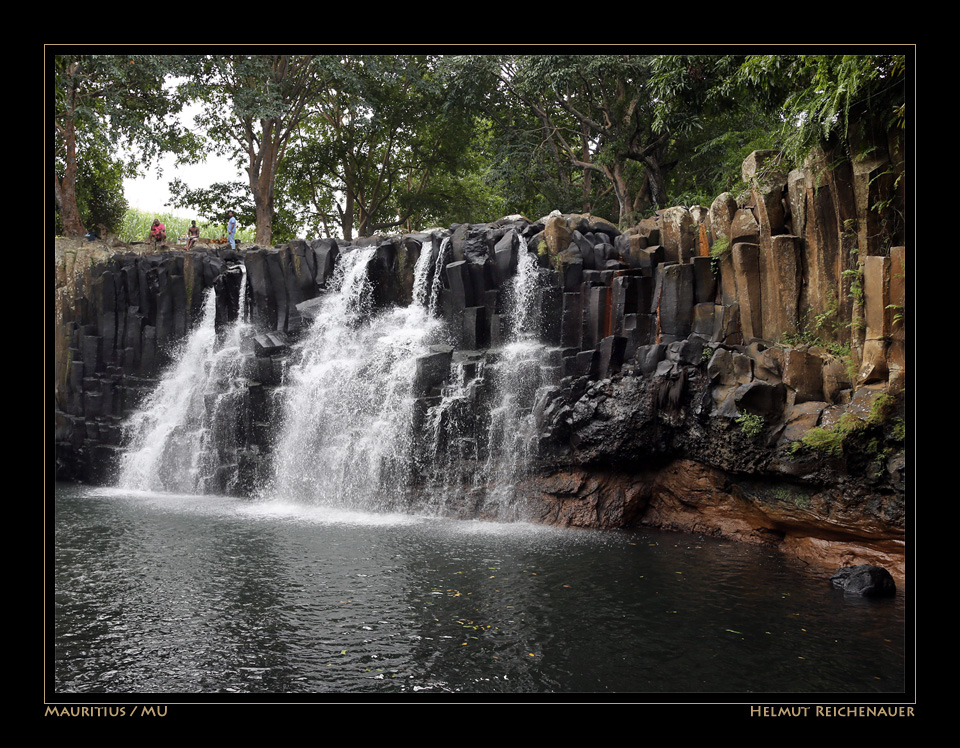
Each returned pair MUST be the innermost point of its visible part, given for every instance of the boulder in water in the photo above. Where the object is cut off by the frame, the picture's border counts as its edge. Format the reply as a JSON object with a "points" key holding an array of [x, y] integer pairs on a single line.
{"points": [[865, 580]]}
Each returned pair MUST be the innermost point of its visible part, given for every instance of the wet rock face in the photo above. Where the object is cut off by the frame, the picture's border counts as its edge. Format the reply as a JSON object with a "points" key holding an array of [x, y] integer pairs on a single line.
{"points": [[120, 316], [600, 500], [673, 436]]}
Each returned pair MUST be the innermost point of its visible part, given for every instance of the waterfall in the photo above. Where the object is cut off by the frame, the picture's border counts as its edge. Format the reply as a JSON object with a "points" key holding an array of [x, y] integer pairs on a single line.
{"points": [[428, 274], [524, 300], [354, 421], [518, 376], [183, 437], [348, 417], [480, 435]]}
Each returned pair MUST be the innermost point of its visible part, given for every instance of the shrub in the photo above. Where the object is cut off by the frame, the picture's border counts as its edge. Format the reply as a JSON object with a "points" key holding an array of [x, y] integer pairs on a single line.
{"points": [[825, 441], [751, 424], [830, 441]]}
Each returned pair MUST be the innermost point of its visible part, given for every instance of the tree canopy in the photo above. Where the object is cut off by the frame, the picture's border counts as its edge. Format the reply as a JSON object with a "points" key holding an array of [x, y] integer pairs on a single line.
{"points": [[850, 98], [383, 146], [103, 103], [351, 144], [253, 104]]}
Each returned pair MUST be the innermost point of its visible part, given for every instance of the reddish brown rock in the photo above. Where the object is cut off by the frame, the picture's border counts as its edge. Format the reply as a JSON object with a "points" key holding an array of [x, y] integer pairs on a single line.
{"points": [[575, 498], [826, 528]]}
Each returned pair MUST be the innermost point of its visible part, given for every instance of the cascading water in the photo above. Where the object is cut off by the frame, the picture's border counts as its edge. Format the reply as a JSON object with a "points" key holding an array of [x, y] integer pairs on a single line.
{"points": [[183, 438], [348, 425], [480, 436], [517, 378], [354, 429], [427, 280]]}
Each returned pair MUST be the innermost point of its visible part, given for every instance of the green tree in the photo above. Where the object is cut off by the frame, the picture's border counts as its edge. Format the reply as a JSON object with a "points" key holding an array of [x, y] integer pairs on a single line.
{"points": [[213, 201], [595, 122], [853, 99], [103, 103], [383, 146], [254, 104], [99, 192], [847, 108], [713, 121]]}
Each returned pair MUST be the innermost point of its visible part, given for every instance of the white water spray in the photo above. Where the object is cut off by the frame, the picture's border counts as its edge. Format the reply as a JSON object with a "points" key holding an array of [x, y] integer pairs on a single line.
{"points": [[182, 439], [428, 278], [480, 436], [347, 431], [517, 380], [352, 432]]}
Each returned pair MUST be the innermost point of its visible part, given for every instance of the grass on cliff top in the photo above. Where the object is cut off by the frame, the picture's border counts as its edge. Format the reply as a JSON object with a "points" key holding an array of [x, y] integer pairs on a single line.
{"points": [[136, 228]]}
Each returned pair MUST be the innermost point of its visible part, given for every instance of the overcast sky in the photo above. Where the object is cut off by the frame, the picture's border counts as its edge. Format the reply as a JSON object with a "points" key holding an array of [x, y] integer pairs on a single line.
{"points": [[150, 193]]}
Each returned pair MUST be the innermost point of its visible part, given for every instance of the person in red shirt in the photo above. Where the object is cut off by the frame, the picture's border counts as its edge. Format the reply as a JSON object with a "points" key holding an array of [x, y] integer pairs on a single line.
{"points": [[158, 233]]}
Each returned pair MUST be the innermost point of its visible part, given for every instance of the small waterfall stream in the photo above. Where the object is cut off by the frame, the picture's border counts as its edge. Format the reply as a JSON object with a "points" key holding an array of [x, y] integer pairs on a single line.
{"points": [[183, 437], [347, 433], [481, 434]]}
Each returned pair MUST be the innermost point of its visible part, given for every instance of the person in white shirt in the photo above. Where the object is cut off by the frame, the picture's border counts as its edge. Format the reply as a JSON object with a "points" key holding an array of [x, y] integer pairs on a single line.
{"points": [[232, 230]]}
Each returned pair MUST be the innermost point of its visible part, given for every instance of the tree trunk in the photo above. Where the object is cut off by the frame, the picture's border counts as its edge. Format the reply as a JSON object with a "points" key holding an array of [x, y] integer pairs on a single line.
{"points": [[621, 186], [264, 219], [346, 216], [363, 224], [658, 188], [587, 205], [262, 173], [66, 189]]}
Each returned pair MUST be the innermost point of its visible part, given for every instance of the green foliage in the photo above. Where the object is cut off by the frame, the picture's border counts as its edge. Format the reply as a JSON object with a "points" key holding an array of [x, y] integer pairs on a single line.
{"points": [[831, 441], [344, 144], [720, 249], [898, 313], [99, 191], [712, 121], [824, 441], [898, 430], [854, 278], [252, 107], [829, 96], [386, 144], [212, 203], [122, 101], [822, 330], [881, 409], [105, 105], [573, 132], [710, 163], [751, 424]]}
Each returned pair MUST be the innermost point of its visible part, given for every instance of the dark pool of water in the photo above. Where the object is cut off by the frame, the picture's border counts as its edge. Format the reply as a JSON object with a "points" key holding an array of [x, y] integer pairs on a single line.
{"points": [[170, 594]]}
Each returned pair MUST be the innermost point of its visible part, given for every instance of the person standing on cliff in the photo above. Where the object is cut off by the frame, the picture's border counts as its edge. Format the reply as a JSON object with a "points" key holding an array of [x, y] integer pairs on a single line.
{"points": [[193, 234], [232, 230]]}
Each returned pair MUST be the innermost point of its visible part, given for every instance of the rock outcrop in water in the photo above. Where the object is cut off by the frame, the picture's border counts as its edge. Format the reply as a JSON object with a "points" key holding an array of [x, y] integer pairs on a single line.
{"points": [[736, 370]]}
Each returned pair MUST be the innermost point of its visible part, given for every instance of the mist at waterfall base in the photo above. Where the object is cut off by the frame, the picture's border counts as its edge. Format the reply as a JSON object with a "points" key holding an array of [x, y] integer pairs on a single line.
{"points": [[343, 574]]}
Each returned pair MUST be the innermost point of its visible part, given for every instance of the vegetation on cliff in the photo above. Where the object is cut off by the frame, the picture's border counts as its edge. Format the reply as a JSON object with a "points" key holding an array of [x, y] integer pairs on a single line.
{"points": [[353, 144]]}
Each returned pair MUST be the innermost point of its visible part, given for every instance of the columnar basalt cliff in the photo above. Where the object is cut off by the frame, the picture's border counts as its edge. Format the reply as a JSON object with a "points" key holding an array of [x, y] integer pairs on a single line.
{"points": [[735, 370]]}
